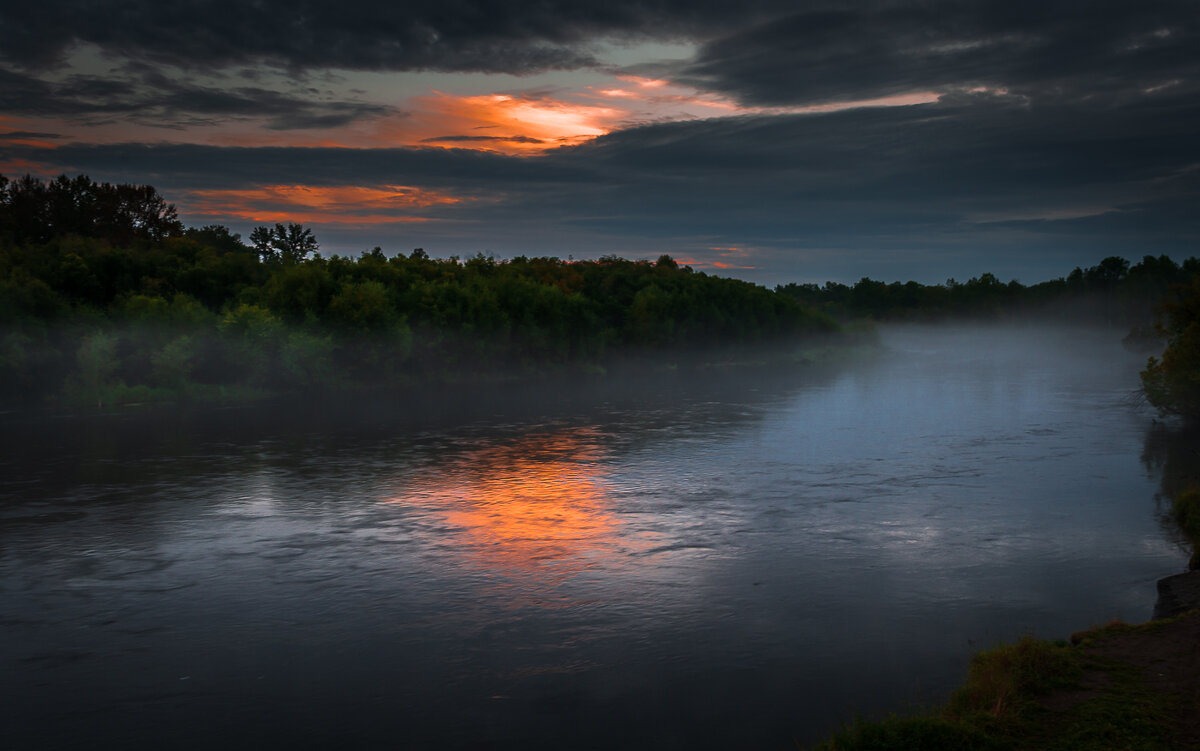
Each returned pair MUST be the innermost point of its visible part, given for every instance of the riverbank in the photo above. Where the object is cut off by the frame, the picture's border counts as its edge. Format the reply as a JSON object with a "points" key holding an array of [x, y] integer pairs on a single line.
{"points": [[1117, 686]]}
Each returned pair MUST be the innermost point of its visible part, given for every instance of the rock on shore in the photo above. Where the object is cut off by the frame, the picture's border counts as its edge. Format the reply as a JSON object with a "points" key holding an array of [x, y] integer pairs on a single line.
{"points": [[1177, 594]]}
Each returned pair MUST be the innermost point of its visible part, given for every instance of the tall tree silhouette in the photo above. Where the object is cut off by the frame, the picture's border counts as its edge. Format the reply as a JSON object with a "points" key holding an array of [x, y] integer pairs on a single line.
{"points": [[289, 245]]}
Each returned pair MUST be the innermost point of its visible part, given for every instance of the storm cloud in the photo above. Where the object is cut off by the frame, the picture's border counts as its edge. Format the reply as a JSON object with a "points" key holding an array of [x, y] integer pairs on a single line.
{"points": [[1022, 138], [460, 35], [157, 99], [1055, 50]]}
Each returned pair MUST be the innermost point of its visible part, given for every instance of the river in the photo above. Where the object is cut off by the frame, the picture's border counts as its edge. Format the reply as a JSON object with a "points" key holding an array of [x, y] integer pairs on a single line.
{"points": [[738, 560]]}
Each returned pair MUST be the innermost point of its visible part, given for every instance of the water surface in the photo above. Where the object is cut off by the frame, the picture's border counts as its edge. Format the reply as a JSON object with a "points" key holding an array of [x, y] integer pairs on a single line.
{"points": [[735, 561]]}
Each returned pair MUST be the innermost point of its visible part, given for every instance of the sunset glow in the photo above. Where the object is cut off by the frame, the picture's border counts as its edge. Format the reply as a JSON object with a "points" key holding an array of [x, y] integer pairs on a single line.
{"points": [[648, 83], [9, 167], [308, 203], [730, 257], [505, 123], [32, 140], [656, 100]]}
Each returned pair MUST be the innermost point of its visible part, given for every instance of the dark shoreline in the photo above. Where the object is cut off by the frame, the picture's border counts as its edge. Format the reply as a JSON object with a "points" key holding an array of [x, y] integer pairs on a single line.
{"points": [[1177, 594]]}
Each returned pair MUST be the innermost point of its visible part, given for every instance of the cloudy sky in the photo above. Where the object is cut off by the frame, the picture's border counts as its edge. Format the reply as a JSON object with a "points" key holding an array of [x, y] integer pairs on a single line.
{"points": [[774, 141]]}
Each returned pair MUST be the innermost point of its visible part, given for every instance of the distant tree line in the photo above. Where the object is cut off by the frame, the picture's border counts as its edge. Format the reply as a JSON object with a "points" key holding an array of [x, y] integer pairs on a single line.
{"points": [[1157, 299], [105, 297], [1112, 292]]}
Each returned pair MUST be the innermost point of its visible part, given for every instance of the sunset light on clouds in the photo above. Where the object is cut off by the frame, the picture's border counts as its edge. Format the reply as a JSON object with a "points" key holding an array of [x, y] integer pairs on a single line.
{"points": [[864, 131], [316, 205], [507, 123]]}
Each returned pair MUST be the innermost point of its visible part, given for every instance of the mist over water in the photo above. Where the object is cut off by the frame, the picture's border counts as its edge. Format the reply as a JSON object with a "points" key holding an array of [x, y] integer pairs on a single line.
{"points": [[732, 560]]}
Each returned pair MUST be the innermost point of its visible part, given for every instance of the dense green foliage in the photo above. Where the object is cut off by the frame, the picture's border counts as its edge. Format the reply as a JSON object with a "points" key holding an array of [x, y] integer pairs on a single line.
{"points": [[150, 310], [1173, 383], [1112, 292]]}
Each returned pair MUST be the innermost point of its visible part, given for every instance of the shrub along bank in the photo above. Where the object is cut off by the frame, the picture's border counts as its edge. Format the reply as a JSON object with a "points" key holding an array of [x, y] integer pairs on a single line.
{"points": [[1118, 687]]}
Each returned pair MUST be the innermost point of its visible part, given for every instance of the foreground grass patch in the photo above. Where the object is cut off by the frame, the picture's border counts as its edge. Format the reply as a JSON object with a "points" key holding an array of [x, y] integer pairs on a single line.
{"points": [[1037, 694]]}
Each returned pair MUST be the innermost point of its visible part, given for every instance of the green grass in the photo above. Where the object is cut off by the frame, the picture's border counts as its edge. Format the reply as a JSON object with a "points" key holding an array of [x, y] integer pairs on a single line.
{"points": [[1100, 704]]}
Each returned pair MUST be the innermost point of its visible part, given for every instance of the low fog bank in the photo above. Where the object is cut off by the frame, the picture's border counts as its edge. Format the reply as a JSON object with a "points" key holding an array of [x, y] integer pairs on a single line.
{"points": [[137, 375], [294, 377], [424, 397], [74, 368], [984, 349], [1019, 339]]}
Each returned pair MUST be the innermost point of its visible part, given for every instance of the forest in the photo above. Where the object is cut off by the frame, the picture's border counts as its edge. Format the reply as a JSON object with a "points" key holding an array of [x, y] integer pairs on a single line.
{"points": [[106, 298]]}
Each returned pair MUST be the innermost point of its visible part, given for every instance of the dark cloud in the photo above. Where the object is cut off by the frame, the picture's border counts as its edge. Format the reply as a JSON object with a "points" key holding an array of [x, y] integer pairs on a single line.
{"points": [[283, 111], [958, 184], [760, 51], [453, 35], [13, 135], [152, 98], [24, 94], [1051, 49], [1064, 132], [189, 166]]}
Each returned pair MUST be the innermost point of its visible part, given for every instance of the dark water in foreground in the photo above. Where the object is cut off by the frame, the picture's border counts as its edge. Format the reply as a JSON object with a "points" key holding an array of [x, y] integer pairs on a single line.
{"points": [[729, 563]]}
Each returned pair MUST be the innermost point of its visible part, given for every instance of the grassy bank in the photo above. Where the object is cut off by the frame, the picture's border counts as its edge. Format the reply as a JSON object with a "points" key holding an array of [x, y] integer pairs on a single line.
{"points": [[1115, 687]]}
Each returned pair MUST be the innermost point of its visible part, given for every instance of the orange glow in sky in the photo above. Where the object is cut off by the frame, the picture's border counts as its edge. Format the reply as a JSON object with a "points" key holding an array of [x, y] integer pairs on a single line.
{"points": [[648, 83], [318, 204], [528, 124], [18, 167], [510, 124], [734, 257], [38, 143], [535, 506]]}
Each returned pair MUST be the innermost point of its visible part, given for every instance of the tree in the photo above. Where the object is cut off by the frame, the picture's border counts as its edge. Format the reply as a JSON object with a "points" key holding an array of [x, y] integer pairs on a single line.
{"points": [[33, 211], [363, 307], [1110, 271], [216, 236], [1173, 383], [289, 245]]}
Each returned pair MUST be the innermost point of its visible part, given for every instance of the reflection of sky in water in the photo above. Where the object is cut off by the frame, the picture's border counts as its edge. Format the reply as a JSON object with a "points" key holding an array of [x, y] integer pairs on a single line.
{"points": [[753, 560], [534, 506]]}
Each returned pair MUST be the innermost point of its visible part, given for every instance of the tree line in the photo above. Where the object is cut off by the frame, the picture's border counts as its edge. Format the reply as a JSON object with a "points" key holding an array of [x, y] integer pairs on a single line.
{"points": [[106, 297], [1112, 292]]}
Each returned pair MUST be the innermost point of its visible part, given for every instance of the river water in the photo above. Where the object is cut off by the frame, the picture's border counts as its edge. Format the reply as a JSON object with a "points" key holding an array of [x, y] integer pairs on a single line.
{"points": [[740, 560]]}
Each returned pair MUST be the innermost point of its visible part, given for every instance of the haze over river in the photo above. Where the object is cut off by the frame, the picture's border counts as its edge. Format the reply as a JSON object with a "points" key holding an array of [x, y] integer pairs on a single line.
{"points": [[728, 562]]}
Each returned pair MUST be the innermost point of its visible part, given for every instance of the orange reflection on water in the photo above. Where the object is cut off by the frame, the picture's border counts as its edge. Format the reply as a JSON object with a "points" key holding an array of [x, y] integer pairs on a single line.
{"points": [[536, 505]]}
